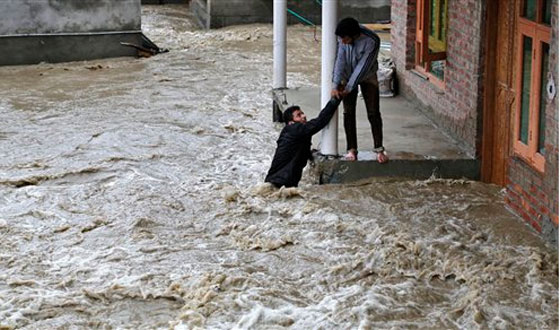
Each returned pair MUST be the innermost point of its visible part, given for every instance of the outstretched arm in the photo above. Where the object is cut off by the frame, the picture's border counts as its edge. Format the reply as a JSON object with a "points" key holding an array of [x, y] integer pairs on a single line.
{"points": [[315, 125]]}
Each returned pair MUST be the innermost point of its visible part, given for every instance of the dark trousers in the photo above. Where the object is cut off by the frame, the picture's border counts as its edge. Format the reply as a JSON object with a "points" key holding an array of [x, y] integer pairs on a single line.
{"points": [[370, 91]]}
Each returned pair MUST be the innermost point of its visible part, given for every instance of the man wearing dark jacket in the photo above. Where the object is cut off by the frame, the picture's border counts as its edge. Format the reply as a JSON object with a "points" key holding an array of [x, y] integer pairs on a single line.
{"points": [[293, 150]]}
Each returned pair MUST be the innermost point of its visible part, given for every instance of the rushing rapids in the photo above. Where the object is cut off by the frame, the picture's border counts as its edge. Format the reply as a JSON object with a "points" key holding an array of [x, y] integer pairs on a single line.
{"points": [[131, 196]]}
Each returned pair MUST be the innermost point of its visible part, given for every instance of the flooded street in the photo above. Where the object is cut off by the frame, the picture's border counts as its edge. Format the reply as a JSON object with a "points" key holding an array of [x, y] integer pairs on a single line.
{"points": [[132, 197]]}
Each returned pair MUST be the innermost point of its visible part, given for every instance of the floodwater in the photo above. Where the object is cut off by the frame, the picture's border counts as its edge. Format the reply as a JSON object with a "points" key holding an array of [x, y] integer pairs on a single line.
{"points": [[131, 197]]}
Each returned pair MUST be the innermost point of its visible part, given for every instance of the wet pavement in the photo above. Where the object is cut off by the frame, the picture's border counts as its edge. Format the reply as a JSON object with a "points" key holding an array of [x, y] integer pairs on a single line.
{"points": [[131, 196], [407, 134]]}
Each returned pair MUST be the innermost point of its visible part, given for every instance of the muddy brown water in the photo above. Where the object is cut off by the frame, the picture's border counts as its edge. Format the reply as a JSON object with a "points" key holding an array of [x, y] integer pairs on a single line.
{"points": [[131, 197]]}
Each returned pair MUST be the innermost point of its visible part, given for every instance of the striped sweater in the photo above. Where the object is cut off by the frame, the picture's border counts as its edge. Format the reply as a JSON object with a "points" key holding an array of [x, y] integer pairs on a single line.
{"points": [[356, 62]]}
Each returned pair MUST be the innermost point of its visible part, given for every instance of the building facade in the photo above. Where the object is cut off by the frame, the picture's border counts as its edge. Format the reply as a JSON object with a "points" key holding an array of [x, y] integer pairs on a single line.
{"points": [[487, 73], [33, 31]]}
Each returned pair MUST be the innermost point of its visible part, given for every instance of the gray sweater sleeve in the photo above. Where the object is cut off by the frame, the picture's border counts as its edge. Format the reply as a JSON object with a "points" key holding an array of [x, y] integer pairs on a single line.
{"points": [[339, 66], [365, 64]]}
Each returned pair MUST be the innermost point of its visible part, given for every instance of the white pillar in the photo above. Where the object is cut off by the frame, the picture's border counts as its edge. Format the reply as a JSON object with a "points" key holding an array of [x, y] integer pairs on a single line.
{"points": [[329, 135], [279, 41], [209, 11]]}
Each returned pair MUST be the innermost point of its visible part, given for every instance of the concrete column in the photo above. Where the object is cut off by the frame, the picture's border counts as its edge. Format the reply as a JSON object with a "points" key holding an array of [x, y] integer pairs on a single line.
{"points": [[329, 135], [279, 41], [209, 17]]}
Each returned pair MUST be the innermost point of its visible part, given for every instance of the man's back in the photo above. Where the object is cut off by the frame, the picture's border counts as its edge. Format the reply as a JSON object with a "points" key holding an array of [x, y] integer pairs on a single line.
{"points": [[292, 153]]}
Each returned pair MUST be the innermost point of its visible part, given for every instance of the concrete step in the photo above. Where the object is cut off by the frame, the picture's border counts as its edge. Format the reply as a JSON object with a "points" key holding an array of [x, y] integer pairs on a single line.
{"points": [[342, 171]]}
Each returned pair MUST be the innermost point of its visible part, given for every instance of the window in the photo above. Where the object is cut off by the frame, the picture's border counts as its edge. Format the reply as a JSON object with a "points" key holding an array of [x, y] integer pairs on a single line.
{"points": [[431, 39], [533, 59]]}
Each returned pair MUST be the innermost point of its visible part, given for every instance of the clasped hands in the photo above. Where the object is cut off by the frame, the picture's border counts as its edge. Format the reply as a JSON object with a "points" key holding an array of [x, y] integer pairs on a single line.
{"points": [[339, 92]]}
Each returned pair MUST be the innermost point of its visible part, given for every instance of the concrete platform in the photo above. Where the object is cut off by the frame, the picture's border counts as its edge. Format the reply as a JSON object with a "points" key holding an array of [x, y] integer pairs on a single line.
{"points": [[416, 147]]}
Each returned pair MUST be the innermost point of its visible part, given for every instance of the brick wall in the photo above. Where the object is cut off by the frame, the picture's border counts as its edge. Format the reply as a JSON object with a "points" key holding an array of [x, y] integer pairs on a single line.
{"points": [[403, 18], [531, 194], [457, 107]]}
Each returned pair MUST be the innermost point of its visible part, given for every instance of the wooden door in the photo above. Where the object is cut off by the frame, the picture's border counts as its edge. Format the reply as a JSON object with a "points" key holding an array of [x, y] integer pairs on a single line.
{"points": [[499, 89]]}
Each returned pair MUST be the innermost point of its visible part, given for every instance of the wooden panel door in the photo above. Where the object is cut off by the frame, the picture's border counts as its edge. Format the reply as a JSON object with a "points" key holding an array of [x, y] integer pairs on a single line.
{"points": [[499, 90]]}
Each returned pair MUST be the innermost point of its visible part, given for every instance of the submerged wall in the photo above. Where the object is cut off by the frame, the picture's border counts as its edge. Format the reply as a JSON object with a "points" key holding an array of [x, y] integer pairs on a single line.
{"points": [[220, 13], [32, 31]]}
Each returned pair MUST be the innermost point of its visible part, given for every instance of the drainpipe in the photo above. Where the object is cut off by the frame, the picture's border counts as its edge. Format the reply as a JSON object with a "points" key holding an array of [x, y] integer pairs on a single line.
{"points": [[279, 56], [329, 134]]}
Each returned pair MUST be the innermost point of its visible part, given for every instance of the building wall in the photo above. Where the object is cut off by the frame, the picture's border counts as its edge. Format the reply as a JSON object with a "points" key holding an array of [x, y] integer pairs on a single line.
{"points": [[19, 17], [532, 194], [230, 12], [164, 2], [457, 106], [34, 31]]}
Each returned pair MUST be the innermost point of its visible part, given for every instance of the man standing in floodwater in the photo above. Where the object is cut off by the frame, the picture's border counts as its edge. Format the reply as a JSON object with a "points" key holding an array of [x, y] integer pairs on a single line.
{"points": [[294, 144], [356, 64]]}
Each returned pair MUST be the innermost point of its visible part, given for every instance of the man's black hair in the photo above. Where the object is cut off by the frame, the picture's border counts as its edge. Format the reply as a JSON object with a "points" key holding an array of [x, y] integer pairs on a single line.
{"points": [[347, 27], [288, 114]]}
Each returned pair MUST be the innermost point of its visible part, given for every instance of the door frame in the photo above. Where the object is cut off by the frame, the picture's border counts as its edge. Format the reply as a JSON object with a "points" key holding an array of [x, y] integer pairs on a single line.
{"points": [[489, 104], [490, 114]]}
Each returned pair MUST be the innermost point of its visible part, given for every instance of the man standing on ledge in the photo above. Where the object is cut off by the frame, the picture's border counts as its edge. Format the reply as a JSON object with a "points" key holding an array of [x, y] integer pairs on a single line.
{"points": [[356, 64], [294, 144]]}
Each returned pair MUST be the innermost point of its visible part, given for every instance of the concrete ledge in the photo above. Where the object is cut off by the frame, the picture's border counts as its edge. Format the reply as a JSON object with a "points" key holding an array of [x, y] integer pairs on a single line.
{"points": [[340, 171], [53, 48]]}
